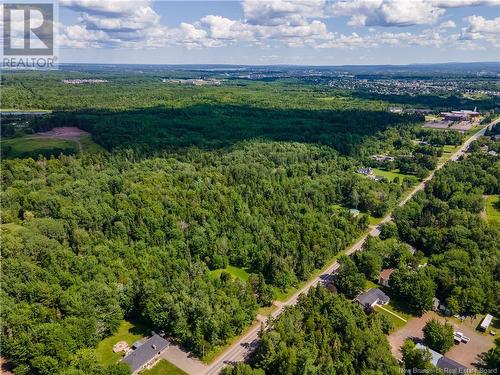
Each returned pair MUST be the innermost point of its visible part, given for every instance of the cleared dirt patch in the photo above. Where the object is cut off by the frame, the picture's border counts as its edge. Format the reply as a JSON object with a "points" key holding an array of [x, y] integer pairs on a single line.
{"points": [[70, 133]]}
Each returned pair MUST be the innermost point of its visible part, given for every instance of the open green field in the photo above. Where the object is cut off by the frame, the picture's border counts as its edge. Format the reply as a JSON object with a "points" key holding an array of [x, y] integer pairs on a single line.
{"points": [[164, 368], [492, 207], [24, 145], [32, 146], [239, 273], [391, 175], [129, 332]]}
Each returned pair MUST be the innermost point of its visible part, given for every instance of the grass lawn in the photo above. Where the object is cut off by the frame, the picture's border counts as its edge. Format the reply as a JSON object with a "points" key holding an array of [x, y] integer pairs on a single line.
{"points": [[493, 209], [372, 220], [266, 311], [239, 273], [129, 332], [473, 130], [28, 145], [164, 368], [370, 285], [390, 175], [399, 308], [397, 323]]}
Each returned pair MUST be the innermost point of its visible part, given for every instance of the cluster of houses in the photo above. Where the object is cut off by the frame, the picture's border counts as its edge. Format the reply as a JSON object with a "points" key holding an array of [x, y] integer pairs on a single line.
{"points": [[84, 81], [194, 82]]}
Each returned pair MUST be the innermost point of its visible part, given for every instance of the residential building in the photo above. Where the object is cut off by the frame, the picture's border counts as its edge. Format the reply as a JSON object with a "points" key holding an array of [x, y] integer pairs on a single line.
{"points": [[385, 275], [448, 365], [372, 297], [146, 354], [365, 171]]}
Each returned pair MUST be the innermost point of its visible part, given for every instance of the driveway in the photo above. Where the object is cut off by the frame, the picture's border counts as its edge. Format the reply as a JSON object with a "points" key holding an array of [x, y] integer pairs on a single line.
{"points": [[184, 360], [465, 354]]}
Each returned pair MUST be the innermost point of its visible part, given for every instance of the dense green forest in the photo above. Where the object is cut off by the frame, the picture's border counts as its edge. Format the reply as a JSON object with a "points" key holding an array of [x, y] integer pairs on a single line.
{"points": [[94, 238], [214, 126], [125, 91], [258, 175], [444, 223], [325, 333]]}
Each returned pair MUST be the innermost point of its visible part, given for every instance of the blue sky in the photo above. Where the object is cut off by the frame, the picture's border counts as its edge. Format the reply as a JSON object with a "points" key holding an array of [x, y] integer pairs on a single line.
{"points": [[307, 32]]}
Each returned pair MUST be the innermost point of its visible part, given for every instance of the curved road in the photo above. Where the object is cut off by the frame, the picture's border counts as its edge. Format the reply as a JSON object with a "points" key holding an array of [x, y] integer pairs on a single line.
{"points": [[239, 350]]}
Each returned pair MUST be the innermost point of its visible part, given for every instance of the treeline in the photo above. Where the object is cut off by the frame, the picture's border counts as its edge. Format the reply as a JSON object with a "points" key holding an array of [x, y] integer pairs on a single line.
{"points": [[324, 333], [432, 101], [92, 239], [444, 223], [212, 126]]}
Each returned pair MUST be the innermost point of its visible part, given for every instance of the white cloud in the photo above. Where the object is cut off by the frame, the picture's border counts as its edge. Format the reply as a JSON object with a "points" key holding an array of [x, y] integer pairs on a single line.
{"points": [[294, 23], [130, 24], [399, 12], [280, 12], [448, 25], [481, 28], [480, 24]]}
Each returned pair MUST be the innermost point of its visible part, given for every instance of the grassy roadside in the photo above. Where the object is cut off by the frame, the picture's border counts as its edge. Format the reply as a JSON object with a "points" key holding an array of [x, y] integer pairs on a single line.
{"points": [[492, 209], [164, 368]]}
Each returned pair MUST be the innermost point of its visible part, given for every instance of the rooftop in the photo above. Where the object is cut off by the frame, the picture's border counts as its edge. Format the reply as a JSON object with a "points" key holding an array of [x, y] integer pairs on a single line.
{"points": [[372, 297], [440, 361], [385, 274], [145, 352]]}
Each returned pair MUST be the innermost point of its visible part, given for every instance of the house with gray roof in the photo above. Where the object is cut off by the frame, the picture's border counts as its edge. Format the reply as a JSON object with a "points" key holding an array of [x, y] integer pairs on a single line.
{"points": [[372, 297], [448, 365], [146, 354]]}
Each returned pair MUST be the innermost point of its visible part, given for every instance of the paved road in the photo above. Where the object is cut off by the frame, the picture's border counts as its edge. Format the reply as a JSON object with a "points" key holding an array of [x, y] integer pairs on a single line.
{"points": [[243, 347]]}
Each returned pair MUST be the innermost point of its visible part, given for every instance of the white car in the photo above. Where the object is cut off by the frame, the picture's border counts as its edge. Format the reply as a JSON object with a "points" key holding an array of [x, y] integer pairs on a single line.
{"points": [[465, 339], [457, 336]]}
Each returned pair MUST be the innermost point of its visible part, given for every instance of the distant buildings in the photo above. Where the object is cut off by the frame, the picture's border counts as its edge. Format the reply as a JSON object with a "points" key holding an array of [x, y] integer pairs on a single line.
{"points": [[84, 81], [372, 297], [462, 115], [194, 82], [449, 366], [146, 354], [395, 109]]}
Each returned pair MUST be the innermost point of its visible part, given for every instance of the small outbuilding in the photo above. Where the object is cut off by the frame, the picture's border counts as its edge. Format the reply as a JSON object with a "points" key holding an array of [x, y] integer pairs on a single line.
{"points": [[486, 322]]}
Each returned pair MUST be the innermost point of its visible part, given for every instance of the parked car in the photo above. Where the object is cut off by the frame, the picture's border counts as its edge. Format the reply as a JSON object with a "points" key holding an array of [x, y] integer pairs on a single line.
{"points": [[457, 336], [465, 339]]}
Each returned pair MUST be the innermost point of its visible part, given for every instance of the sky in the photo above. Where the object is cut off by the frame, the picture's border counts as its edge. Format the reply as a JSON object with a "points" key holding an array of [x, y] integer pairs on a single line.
{"points": [[261, 32]]}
